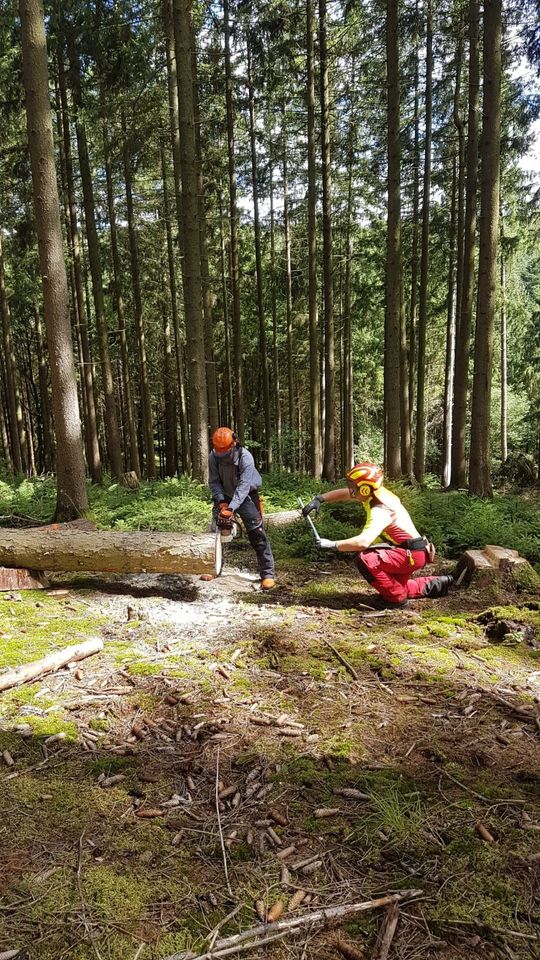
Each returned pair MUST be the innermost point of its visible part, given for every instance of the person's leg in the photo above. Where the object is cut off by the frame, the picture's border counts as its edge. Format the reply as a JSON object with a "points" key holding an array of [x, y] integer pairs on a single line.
{"points": [[384, 570], [252, 520]]}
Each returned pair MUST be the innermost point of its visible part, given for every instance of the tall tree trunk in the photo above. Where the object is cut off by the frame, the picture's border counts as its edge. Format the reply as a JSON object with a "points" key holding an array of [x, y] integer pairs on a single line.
{"points": [[224, 258], [413, 306], [8, 462], [14, 407], [195, 346], [45, 405], [263, 358], [146, 398], [207, 291], [455, 266], [314, 338], [346, 380], [170, 411], [450, 333], [420, 448], [238, 391], [329, 466], [464, 318], [393, 250], [72, 497], [172, 88], [480, 472], [130, 418], [504, 354], [275, 350], [93, 455], [112, 428], [289, 306]]}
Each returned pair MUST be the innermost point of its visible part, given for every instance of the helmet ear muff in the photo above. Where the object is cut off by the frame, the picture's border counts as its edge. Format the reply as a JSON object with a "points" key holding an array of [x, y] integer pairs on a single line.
{"points": [[235, 439], [364, 490]]}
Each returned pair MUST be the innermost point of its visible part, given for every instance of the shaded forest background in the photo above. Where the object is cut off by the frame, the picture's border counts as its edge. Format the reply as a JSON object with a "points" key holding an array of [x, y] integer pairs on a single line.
{"points": [[272, 217]]}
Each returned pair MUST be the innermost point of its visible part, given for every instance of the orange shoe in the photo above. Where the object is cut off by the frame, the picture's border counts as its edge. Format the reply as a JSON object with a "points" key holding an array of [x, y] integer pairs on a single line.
{"points": [[268, 583]]}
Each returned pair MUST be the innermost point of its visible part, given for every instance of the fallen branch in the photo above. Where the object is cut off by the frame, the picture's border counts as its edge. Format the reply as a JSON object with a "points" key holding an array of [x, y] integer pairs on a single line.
{"points": [[262, 933], [37, 668], [386, 933], [343, 660]]}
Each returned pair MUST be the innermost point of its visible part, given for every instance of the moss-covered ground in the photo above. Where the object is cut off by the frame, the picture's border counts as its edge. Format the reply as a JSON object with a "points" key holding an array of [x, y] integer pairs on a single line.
{"points": [[110, 840]]}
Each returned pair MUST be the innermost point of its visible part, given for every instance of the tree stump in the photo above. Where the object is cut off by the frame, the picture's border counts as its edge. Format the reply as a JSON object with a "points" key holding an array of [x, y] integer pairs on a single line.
{"points": [[19, 578], [494, 564]]}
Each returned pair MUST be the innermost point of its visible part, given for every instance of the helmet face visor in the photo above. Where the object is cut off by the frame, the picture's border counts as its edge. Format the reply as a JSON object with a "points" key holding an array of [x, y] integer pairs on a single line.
{"points": [[223, 454]]}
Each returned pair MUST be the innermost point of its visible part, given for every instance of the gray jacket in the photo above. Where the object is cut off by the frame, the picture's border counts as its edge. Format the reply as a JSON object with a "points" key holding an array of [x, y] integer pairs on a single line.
{"points": [[233, 477]]}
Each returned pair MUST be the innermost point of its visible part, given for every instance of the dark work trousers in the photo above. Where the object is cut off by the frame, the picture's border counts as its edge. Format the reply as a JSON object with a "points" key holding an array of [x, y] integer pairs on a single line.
{"points": [[250, 513]]}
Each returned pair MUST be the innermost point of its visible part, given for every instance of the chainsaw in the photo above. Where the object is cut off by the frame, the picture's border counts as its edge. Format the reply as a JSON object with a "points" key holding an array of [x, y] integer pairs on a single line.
{"points": [[226, 531]]}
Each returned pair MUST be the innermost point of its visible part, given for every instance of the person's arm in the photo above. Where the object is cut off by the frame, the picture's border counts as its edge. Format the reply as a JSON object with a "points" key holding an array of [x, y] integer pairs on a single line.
{"points": [[246, 480], [214, 482], [333, 496], [378, 521]]}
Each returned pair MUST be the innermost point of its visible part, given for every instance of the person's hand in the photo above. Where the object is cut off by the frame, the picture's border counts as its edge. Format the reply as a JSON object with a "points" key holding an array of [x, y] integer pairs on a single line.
{"points": [[314, 504], [325, 544], [225, 515]]}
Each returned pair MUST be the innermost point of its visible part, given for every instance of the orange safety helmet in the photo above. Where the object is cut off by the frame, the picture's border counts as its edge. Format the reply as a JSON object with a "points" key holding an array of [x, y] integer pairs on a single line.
{"points": [[223, 439], [366, 477]]}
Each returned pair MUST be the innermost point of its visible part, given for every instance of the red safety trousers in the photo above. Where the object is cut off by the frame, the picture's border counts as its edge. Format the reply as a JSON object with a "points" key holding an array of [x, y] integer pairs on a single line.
{"points": [[389, 570]]}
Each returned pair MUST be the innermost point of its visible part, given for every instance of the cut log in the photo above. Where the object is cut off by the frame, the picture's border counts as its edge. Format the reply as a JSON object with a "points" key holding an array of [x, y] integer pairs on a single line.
{"points": [[50, 663], [69, 547], [104, 551], [18, 578]]}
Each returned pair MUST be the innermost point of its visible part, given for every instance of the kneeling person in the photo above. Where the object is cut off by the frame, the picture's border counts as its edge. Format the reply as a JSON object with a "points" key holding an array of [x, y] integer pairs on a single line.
{"points": [[235, 483], [387, 567]]}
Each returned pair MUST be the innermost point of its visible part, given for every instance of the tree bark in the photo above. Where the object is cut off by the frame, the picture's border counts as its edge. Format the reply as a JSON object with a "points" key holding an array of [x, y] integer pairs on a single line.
{"points": [[146, 397], [71, 486], [91, 435], [168, 385], [14, 408], [464, 318], [314, 337], [413, 304], [294, 438], [347, 362], [112, 427], [130, 418], [420, 447], [450, 333], [238, 390], [195, 345], [393, 250], [275, 350], [329, 466], [263, 358], [172, 89], [504, 352], [480, 466]]}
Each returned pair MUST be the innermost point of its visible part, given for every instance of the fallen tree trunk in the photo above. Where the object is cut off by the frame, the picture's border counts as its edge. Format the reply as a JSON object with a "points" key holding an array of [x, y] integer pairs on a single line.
{"points": [[106, 551], [37, 668]]}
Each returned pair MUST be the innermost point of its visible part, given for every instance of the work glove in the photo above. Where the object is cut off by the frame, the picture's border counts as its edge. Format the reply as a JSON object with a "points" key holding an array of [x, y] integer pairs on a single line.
{"points": [[225, 515], [314, 504], [325, 544]]}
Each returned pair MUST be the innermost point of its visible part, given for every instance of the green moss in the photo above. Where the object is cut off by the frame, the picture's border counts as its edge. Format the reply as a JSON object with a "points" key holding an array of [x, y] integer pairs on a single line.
{"points": [[143, 669], [38, 625]]}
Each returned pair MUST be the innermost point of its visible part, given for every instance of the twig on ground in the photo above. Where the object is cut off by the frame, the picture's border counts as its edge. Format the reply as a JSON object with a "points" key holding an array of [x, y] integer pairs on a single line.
{"points": [[479, 796], [211, 938], [87, 926], [386, 933], [343, 660], [221, 839]]}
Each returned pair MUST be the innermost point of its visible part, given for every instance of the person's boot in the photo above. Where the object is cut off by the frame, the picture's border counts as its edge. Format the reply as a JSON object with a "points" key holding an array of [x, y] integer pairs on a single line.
{"points": [[463, 574], [438, 586], [268, 583]]}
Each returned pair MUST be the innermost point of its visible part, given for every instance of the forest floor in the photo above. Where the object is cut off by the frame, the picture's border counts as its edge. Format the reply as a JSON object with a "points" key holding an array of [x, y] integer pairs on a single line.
{"points": [[115, 845]]}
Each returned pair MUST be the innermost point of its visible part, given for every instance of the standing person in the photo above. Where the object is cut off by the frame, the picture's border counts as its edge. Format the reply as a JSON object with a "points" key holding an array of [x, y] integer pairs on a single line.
{"points": [[387, 567], [235, 483]]}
